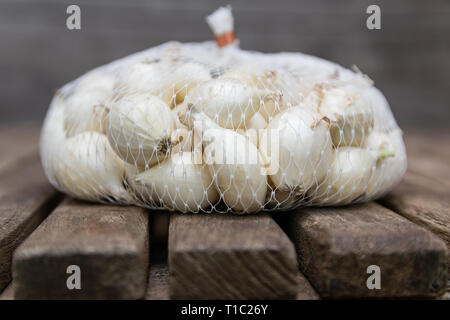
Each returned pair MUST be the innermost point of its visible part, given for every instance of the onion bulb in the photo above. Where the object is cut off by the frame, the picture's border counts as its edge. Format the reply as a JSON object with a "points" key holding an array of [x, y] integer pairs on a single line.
{"points": [[266, 80], [257, 122], [186, 76], [91, 170], [298, 147], [282, 199], [140, 128], [255, 127], [285, 85], [350, 114], [53, 136], [390, 153], [167, 78], [230, 103], [235, 165], [178, 184], [347, 177], [183, 137], [144, 76], [84, 110]]}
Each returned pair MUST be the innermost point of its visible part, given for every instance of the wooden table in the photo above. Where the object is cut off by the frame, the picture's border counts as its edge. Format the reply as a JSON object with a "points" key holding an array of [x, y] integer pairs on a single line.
{"points": [[47, 240]]}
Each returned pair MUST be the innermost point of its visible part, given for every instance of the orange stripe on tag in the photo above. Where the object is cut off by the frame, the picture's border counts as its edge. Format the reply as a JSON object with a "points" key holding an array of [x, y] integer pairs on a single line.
{"points": [[225, 39]]}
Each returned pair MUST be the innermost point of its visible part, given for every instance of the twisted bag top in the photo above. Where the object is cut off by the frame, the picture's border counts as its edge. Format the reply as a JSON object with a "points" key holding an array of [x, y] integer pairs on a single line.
{"points": [[210, 127]]}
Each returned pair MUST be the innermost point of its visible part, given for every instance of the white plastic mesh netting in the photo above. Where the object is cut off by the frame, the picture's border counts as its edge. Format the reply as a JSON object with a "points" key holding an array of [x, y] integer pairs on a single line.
{"points": [[197, 128]]}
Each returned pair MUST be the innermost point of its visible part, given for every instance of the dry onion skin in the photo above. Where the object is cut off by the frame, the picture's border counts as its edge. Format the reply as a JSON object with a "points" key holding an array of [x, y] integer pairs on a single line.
{"points": [[198, 127]]}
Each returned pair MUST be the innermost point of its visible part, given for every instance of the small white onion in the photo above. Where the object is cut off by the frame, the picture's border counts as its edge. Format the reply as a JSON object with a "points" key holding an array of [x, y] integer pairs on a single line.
{"points": [[230, 103], [140, 128], [389, 150], [234, 162], [84, 110], [347, 177], [298, 146], [167, 78], [178, 184], [91, 170], [351, 116]]}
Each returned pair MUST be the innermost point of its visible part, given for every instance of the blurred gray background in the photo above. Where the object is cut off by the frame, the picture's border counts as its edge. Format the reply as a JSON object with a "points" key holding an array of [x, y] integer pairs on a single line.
{"points": [[409, 59]]}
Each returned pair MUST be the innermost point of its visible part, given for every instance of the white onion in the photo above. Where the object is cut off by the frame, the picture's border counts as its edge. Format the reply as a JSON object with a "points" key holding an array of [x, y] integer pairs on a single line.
{"points": [[347, 177], [91, 170], [351, 115], [390, 153], [145, 76], [282, 199], [140, 128], [304, 149], [257, 122], [185, 77], [230, 103], [266, 80], [84, 110], [178, 184], [235, 165], [168, 79]]}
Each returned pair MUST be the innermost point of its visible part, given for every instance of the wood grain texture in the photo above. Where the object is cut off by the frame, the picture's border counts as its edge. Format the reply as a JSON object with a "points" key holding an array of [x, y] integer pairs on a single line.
{"points": [[158, 276], [219, 256], [108, 243], [423, 196], [424, 202], [26, 198], [336, 245]]}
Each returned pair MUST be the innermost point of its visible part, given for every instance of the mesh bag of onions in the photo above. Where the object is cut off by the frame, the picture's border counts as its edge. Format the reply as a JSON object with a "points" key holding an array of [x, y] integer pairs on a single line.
{"points": [[208, 127]]}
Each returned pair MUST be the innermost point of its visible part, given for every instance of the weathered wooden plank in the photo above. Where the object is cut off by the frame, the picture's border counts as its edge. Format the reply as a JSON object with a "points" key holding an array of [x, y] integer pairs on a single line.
{"points": [[335, 247], [17, 143], [421, 142], [158, 281], [304, 290], [8, 293], [219, 256], [108, 243], [26, 198], [429, 154], [423, 201], [424, 194]]}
